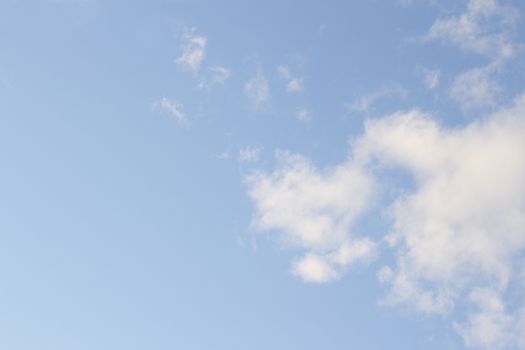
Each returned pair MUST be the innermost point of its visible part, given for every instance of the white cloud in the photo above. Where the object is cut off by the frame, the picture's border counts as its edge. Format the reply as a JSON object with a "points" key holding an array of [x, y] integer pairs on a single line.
{"points": [[357, 250], [320, 268], [484, 28], [475, 88], [461, 226], [520, 329], [249, 154], [257, 90], [314, 210], [193, 53], [490, 327], [314, 268], [217, 76], [284, 72], [364, 103], [293, 83], [431, 78], [225, 155], [455, 229], [303, 115], [385, 274], [174, 109], [406, 290], [193, 49]]}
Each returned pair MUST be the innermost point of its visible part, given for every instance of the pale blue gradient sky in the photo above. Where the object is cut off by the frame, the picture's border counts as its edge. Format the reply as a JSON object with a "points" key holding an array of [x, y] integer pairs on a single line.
{"points": [[121, 228]]}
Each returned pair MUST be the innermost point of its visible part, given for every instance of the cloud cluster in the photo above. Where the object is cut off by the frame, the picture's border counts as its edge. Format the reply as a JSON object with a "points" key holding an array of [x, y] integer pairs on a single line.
{"points": [[293, 83], [193, 54], [457, 227], [485, 28]]}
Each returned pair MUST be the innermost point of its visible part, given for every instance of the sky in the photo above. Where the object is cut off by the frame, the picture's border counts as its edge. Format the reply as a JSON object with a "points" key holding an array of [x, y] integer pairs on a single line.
{"points": [[308, 175]]}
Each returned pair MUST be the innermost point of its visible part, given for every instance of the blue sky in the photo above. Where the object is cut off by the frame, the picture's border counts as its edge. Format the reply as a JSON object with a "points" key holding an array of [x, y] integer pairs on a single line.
{"points": [[262, 174]]}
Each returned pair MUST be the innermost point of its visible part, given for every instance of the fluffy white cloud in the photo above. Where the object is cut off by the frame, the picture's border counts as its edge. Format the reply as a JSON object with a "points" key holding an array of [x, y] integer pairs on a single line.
{"points": [[173, 108], [193, 49], [314, 210], [456, 228], [320, 268], [257, 90], [314, 268], [466, 217]]}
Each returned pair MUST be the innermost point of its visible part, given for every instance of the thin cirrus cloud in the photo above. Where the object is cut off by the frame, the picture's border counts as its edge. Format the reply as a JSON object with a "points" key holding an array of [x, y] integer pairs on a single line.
{"points": [[476, 88], [485, 28], [193, 51], [365, 103], [430, 77], [303, 114], [217, 75], [469, 31], [249, 154], [193, 54], [294, 84], [456, 231], [173, 108], [257, 90]]}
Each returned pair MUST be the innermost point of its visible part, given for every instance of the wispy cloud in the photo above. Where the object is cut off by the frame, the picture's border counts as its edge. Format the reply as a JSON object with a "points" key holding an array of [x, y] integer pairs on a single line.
{"points": [[365, 102], [225, 155], [217, 75], [173, 108], [484, 28], [249, 154], [431, 77], [257, 89], [303, 114], [293, 83], [193, 54], [475, 88], [193, 51]]}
